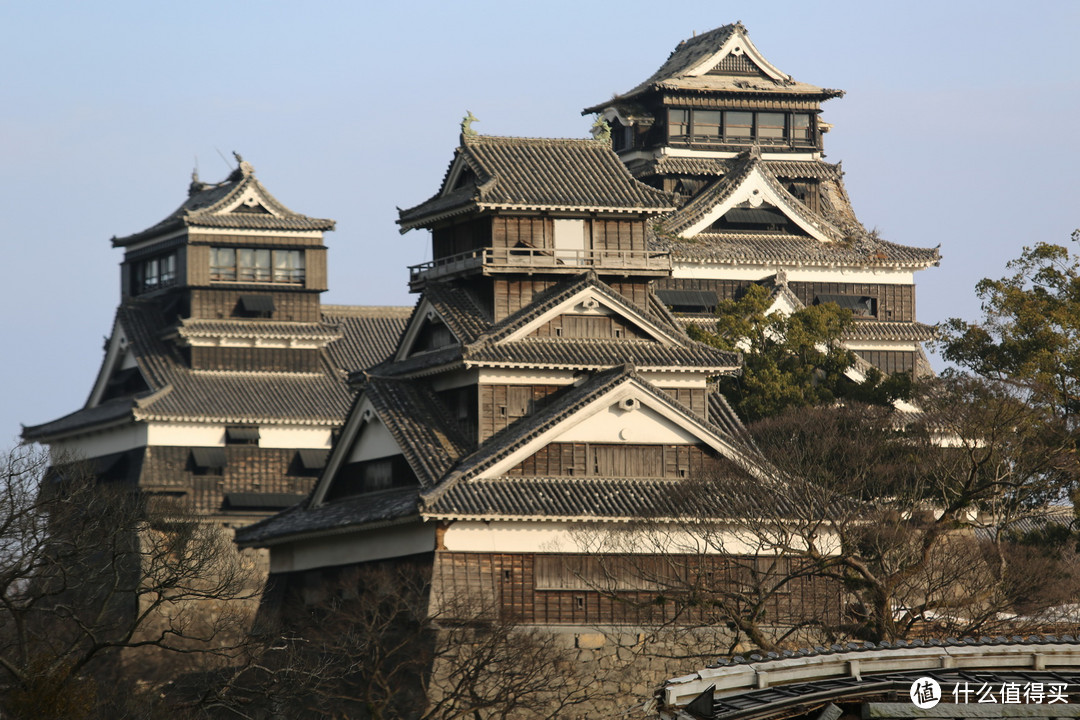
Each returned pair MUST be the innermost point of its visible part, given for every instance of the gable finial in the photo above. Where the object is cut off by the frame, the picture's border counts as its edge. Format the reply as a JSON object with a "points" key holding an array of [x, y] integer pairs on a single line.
{"points": [[245, 167], [466, 124], [196, 185], [601, 129]]}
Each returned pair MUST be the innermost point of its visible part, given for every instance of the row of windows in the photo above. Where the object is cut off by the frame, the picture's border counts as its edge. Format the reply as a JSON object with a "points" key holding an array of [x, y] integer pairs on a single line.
{"points": [[153, 274], [256, 265], [739, 126]]}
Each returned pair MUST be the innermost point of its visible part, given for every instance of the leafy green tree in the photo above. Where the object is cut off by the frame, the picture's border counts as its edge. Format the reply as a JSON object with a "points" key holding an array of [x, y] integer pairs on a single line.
{"points": [[794, 360], [1029, 336]]}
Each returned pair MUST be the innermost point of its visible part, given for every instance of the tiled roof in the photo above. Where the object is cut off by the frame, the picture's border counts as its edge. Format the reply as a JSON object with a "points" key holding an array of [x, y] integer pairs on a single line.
{"points": [[206, 204], [566, 498], [108, 412], [813, 681], [792, 169], [561, 406], [460, 309], [298, 520], [735, 248], [538, 173], [189, 328], [672, 75], [879, 330], [419, 424], [369, 334], [592, 353], [485, 344], [559, 293]]}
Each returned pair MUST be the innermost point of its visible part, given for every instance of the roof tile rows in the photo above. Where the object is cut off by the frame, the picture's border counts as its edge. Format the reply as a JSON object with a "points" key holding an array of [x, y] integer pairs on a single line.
{"points": [[206, 207], [755, 248], [674, 73], [538, 173], [179, 393]]}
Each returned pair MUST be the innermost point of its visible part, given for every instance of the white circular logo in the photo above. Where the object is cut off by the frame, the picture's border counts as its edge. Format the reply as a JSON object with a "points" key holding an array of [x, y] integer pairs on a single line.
{"points": [[925, 692]]}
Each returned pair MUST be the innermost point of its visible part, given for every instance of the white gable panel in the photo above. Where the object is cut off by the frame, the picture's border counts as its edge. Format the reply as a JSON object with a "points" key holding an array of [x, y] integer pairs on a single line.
{"points": [[374, 441], [626, 394], [638, 425], [755, 189]]}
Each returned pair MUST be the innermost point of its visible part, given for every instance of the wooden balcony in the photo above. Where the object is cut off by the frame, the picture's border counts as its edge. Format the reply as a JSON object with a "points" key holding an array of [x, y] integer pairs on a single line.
{"points": [[490, 261]]}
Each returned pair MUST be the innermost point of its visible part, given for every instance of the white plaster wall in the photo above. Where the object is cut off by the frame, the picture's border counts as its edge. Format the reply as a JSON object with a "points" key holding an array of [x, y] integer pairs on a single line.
{"points": [[119, 439], [294, 437], [374, 441], [805, 274], [642, 425], [353, 548], [185, 434], [568, 537]]}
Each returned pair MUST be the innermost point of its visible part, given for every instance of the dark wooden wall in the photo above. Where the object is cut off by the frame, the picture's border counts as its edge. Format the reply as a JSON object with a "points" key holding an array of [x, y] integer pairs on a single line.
{"points": [[501, 405], [890, 361], [289, 306], [248, 468], [895, 302], [256, 359], [553, 590], [613, 460]]}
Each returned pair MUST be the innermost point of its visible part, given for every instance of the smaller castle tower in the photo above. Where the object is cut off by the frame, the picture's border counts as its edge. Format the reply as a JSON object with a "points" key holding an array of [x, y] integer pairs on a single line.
{"points": [[224, 377]]}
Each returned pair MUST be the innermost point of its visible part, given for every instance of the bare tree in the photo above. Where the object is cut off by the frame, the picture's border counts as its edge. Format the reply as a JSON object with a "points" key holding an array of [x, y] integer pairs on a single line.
{"points": [[375, 644], [97, 580], [866, 526]]}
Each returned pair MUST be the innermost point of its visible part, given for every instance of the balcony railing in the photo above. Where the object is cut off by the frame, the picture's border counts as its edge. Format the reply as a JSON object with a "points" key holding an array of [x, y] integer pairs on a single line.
{"points": [[491, 260]]}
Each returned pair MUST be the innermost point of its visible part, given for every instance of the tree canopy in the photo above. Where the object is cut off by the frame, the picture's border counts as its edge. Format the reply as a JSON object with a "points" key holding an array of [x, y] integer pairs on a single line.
{"points": [[791, 360], [1029, 336]]}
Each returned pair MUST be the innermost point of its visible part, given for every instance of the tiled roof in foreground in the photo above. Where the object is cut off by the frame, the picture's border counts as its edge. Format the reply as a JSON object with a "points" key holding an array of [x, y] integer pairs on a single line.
{"points": [[806, 683]]}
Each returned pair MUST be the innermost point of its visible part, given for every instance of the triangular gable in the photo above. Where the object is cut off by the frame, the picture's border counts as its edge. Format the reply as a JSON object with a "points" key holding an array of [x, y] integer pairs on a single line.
{"points": [[464, 171], [423, 321], [250, 201], [395, 418], [365, 437], [754, 187], [738, 44], [645, 409], [119, 358], [592, 298]]}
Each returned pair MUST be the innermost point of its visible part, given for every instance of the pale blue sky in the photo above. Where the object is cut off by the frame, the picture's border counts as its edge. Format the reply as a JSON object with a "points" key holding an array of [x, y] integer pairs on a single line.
{"points": [[958, 128]]}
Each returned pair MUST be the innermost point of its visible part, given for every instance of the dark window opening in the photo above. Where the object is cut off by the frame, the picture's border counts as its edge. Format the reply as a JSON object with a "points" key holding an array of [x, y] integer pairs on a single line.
{"points": [[689, 301], [256, 265], [312, 459], [242, 435], [739, 127], [153, 274], [207, 461], [367, 476], [763, 219], [432, 336], [124, 383], [261, 501], [859, 305], [254, 306]]}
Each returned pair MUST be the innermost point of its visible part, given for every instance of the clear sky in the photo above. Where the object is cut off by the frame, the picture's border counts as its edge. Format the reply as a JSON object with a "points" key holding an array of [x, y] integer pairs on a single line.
{"points": [[959, 128]]}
